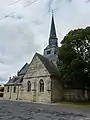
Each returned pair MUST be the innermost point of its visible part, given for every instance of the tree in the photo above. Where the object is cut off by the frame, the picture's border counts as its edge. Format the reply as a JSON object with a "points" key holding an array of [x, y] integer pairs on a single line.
{"points": [[74, 58], [80, 41]]}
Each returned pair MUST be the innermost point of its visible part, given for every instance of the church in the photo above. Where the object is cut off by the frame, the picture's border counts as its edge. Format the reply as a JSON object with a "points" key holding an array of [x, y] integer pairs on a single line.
{"points": [[38, 81]]}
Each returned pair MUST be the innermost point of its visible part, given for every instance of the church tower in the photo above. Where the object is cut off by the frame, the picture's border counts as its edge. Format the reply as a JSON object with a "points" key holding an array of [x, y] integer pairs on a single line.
{"points": [[51, 50]]}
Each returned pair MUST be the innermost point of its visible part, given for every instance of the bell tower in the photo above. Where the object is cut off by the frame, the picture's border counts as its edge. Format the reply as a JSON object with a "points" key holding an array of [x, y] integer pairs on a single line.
{"points": [[51, 50]]}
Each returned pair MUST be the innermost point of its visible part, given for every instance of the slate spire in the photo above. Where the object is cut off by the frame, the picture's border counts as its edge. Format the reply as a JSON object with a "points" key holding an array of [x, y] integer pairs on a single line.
{"points": [[53, 36], [51, 50], [53, 30]]}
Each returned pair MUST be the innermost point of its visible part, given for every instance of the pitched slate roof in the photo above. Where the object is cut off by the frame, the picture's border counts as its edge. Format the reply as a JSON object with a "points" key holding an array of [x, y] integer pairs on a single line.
{"points": [[49, 65], [23, 69], [53, 30], [19, 78], [15, 80]]}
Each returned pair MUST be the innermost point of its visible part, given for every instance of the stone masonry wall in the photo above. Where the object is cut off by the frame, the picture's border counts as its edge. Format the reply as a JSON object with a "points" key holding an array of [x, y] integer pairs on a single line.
{"points": [[7, 94], [35, 73], [46, 95], [11, 94], [57, 90], [73, 94], [35, 95]]}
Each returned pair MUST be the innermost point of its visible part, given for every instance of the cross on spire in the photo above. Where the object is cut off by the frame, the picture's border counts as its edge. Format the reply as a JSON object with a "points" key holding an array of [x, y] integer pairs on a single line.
{"points": [[52, 12]]}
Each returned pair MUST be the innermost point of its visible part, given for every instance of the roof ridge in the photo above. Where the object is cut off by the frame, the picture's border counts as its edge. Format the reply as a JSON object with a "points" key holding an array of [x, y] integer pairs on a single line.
{"points": [[43, 56], [24, 67]]}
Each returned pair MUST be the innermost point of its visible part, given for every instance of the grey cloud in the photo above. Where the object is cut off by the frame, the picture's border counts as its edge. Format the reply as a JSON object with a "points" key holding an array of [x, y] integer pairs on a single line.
{"points": [[50, 2], [22, 45], [18, 38], [2, 79], [56, 4], [18, 43], [37, 22], [87, 1], [1, 61]]}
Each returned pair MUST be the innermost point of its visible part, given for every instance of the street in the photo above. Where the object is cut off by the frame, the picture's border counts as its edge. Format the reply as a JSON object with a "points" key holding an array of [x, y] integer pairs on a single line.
{"points": [[16, 110]]}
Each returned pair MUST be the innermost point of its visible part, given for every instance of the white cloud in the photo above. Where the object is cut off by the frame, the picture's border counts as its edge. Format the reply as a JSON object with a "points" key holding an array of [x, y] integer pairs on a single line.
{"points": [[27, 29]]}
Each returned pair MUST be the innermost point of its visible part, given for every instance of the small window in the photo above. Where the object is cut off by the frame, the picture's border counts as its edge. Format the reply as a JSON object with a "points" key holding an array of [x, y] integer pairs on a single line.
{"points": [[41, 83], [8, 89], [14, 89], [55, 52], [28, 86], [48, 52]]}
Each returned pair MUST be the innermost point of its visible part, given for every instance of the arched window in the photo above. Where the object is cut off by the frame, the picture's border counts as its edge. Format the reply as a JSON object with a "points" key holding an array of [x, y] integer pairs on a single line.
{"points": [[14, 89], [41, 83], [28, 86], [8, 89]]}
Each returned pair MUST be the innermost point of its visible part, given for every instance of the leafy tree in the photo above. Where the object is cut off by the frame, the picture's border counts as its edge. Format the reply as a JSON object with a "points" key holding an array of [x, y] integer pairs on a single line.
{"points": [[80, 41], [74, 58]]}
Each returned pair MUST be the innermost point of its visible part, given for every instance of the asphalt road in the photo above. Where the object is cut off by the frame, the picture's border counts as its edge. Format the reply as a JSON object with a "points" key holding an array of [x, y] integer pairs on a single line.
{"points": [[14, 110]]}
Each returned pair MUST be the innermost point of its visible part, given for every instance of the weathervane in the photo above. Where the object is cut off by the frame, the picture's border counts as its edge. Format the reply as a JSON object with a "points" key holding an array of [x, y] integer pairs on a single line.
{"points": [[52, 12]]}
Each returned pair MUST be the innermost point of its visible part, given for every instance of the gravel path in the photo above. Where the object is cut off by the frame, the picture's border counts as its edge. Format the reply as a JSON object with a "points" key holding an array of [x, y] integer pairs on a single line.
{"points": [[11, 110]]}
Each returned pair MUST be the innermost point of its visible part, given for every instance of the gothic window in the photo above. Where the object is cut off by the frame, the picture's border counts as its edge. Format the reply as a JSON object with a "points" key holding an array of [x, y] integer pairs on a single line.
{"points": [[14, 89], [41, 83], [48, 52], [8, 89], [28, 86]]}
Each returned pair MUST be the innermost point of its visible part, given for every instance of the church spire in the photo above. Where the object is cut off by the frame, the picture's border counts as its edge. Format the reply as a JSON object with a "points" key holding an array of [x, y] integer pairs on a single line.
{"points": [[53, 37], [53, 30], [51, 50]]}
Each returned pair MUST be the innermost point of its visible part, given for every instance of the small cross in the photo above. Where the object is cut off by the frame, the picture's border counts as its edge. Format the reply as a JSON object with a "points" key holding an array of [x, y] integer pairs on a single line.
{"points": [[52, 12]]}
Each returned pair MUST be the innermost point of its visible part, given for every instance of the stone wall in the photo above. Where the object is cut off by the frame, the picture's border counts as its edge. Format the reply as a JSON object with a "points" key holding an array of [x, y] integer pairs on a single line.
{"points": [[34, 74], [36, 69], [57, 90], [88, 94], [11, 94], [7, 94], [24, 93], [46, 95], [35, 95], [15, 96], [74, 94]]}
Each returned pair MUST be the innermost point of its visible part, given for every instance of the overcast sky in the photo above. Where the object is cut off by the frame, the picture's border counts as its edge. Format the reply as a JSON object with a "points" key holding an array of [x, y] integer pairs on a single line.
{"points": [[26, 30]]}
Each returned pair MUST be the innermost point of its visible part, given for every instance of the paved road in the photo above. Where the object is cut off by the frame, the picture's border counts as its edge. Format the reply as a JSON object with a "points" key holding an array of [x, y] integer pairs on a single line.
{"points": [[10, 110]]}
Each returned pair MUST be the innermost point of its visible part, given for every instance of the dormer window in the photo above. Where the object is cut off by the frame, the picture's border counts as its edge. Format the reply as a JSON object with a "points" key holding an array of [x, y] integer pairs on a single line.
{"points": [[49, 51]]}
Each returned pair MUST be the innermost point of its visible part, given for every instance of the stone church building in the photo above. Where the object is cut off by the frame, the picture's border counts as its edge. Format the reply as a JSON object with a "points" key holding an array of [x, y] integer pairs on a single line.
{"points": [[38, 81]]}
